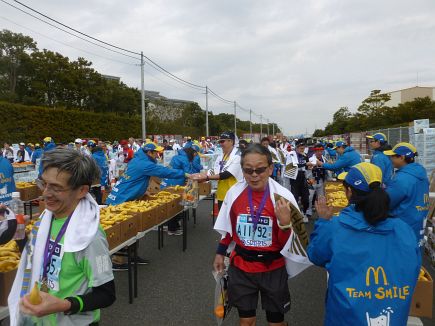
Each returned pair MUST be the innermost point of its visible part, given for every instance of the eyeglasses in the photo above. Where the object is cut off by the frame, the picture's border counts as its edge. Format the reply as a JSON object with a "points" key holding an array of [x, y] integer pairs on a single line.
{"points": [[251, 171], [53, 189], [221, 141]]}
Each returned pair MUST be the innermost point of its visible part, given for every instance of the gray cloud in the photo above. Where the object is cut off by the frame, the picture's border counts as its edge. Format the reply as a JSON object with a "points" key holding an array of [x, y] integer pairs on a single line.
{"points": [[295, 62]]}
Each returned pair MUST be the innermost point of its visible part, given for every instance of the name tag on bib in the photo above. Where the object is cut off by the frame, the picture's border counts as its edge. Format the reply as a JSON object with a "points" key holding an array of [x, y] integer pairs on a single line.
{"points": [[262, 237]]}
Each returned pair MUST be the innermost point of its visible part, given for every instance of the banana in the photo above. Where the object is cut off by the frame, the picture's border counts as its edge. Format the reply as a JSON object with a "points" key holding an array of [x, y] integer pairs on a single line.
{"points": [[34, 296]]}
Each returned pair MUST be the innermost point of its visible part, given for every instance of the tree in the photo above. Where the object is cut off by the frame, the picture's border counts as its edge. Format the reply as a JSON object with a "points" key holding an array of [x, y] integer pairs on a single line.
{"points": [[14, 47]]}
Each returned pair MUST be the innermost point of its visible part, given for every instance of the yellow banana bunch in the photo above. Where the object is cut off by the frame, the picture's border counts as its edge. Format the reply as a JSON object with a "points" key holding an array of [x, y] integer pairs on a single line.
{"points": [[337, 199], [9, 256], [22, 184], [34, 296], [333, 187], [422, 276]]}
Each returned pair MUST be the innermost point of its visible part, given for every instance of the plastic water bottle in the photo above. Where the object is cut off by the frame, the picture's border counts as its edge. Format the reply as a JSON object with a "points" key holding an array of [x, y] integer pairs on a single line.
{"points": [[17, 206]]}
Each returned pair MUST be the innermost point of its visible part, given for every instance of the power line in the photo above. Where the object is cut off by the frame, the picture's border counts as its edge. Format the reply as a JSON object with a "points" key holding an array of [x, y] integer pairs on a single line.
{"points": [[112, 45], [219, 97], [65, 31], [73, 47], [81, 33]]}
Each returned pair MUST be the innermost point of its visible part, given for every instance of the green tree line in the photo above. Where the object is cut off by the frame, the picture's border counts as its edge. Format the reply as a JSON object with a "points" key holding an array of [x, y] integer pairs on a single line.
{"points": [[374, 114], [46, 79]]}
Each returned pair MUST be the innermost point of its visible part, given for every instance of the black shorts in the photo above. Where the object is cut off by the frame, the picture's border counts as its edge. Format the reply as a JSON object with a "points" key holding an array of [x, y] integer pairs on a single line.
{"points": [[243, 289]]}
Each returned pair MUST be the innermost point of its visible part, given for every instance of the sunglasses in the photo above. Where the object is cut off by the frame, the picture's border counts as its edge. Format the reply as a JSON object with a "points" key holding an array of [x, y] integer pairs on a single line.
{"points": [[251, 171], [221, 141]]}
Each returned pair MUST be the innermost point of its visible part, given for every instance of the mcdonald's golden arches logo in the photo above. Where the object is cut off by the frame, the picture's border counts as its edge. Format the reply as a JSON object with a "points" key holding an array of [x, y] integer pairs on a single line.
{"points": [[376, 272]]}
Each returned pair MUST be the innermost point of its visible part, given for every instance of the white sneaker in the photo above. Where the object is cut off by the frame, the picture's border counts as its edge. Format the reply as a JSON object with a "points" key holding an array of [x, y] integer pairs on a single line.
{"points": [[177, 232]]}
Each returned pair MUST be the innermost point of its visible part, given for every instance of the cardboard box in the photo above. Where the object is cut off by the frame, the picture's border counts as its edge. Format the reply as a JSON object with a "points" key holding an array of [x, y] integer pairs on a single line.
{"points": [[161, 213], [113, 236], [421, 304], [154, 185], [174, 207], [130, 227], [6, 281], [148, 219], [204, 189]]}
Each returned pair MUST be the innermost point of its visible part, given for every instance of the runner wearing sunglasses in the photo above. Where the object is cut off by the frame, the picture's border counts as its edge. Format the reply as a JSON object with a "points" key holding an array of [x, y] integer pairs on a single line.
{"points": [[256, 216]]}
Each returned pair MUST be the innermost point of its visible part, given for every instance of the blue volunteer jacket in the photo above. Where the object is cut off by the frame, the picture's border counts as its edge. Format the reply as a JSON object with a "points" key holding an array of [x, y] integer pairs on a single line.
{"points": [[384, 163], [344, 162], [372, 269], [409, 196], [36, 155], [28, 150], [331, 152], [7, 182], [133, 184], [48, 147], [181, 162], [101, 160]]}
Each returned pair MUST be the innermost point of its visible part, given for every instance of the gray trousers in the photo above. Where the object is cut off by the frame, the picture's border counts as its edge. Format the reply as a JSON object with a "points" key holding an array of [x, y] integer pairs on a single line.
{"points": [[319, 190]]}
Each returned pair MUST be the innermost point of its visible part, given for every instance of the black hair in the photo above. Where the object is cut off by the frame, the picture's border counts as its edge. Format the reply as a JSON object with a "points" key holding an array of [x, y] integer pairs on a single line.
{"points": [[273, 144], [243, 144], [190, 152], [257, 149], [374, 204], [265, 139], [384, 147], [409, 160]]}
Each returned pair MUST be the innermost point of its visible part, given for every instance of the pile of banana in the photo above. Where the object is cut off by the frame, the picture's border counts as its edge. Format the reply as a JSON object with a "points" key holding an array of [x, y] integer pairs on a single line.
{"points": [[176, 188], [22, 184], [165, 197], [9, 256], [29, 226], [333, 187], [423, 276], [337, 199], [109, 216]]}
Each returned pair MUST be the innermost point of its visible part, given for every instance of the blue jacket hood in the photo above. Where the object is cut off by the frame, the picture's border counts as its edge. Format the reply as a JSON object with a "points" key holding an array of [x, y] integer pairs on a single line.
{"points": [[49, 147], [416, 170], [349, 149], [351, 218]]}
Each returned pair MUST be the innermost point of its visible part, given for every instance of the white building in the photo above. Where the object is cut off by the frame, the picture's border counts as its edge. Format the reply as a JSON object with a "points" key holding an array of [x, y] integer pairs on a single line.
{"points": [[410, 94]]}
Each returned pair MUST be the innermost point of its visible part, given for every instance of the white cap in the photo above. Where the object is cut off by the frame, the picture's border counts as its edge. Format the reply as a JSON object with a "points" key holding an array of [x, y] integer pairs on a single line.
{"points": [[172, 141], [22, 144], [78, 140], [16, 194]]}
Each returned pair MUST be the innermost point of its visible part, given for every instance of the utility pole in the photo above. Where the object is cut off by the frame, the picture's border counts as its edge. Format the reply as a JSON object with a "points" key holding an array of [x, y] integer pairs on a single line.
{"points": [[273, 129], [250, 122], [261, 126], [235, 119], [142, 96], [206, 112], [267, 127]]}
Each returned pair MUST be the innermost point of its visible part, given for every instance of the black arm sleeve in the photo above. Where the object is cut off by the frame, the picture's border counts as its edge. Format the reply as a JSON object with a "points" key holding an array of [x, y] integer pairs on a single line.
{"points": [[225, 175], [8, 234], [100, 297]]}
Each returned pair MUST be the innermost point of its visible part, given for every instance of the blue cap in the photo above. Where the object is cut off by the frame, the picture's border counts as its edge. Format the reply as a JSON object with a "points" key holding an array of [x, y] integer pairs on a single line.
{"points": [[360, 176], [405, 149], [378, 136], [339, 144], [195, 147], [152, 147]]}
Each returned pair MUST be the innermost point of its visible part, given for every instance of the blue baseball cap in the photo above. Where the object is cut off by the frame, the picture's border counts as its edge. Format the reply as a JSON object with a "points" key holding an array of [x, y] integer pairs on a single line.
{"points": [[195, 147], [340, 144], [152, 147], [378, 136], [360, 176], [405, 149]]}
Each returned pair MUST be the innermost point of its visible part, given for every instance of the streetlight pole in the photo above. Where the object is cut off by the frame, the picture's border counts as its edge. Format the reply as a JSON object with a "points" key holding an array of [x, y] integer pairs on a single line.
{"points": [[273, 129], [235, 119], [206, 112], [250, 123], [142, 93], [261, 126]]}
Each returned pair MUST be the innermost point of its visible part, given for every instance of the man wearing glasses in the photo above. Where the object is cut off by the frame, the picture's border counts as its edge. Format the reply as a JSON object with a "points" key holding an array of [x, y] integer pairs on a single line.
{"points": [[227, 167], [256, 215], [67, 254]]}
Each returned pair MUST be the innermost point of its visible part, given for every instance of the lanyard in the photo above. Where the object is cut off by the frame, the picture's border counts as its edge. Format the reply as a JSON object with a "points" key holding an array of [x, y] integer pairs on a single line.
{"points": [[257, 215], [48, 254], [222, 163]]}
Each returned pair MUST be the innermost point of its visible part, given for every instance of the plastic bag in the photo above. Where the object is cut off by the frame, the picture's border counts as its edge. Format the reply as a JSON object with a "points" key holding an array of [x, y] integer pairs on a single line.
{"points": [[221, 305], [191, 194]]}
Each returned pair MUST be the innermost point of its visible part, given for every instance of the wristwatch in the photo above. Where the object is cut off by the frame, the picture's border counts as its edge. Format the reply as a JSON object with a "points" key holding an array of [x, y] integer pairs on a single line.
{"points": [[75, 306]]}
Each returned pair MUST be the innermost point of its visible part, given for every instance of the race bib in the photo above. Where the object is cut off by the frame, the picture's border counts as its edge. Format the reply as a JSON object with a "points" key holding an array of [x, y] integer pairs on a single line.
{"points": [[53, 269], [262, 237]]}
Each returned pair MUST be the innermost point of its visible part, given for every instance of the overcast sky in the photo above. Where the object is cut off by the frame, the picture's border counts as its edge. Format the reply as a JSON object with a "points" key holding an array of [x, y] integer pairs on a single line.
{"points": [[295, 61]]}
